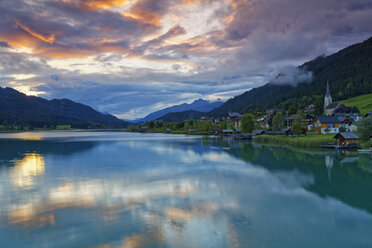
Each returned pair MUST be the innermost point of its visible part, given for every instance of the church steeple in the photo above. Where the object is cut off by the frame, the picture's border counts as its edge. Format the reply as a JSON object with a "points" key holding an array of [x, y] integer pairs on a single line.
{"points": [[327, 92], [327, 97]]}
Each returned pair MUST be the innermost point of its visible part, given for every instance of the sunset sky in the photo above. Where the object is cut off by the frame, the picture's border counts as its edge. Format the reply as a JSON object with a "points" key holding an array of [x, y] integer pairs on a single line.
{"points": [[132, 57]]}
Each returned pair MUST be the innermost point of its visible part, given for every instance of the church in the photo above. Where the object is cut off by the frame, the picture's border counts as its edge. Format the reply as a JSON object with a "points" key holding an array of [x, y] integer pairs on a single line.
{"points": [[327, 97], [330, 108]]}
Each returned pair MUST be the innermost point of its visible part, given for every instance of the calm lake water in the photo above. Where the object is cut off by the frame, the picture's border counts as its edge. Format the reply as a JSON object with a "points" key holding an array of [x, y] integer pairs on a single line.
{"points": [[109, 189]]}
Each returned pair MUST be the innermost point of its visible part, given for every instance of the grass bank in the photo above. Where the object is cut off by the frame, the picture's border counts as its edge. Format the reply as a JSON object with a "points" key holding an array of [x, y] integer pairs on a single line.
{"points": [[363, 103], [313, 140]]}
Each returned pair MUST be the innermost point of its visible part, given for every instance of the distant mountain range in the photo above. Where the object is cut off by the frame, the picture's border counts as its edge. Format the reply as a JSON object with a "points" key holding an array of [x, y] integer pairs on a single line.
{"points": [[18, 109], [180, 116], [199, 105]]}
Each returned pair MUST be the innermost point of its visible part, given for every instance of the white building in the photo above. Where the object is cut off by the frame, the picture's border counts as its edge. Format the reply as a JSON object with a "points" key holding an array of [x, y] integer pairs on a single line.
{"points": [[327, 97]]}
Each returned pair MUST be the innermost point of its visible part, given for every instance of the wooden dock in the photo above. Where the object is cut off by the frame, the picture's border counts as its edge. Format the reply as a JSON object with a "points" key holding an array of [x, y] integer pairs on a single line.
{"points": [[243, 137], [340, 147]]}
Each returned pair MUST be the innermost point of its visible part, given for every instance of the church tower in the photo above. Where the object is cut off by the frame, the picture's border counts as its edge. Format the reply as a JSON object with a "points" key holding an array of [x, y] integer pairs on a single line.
{"points": [[327, 97]]}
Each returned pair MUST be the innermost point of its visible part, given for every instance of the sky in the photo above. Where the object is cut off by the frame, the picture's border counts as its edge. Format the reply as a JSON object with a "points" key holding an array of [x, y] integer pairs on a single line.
{"points": [[133, 57]]}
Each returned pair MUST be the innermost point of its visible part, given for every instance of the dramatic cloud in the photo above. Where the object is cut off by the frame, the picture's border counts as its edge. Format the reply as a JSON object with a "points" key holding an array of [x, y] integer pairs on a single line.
{"points": [[292, 76], [131, 57], [4, 44]]}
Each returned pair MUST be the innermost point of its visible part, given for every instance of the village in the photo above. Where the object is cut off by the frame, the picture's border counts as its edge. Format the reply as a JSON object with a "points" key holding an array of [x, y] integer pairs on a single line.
{"points": [[338, 121]]}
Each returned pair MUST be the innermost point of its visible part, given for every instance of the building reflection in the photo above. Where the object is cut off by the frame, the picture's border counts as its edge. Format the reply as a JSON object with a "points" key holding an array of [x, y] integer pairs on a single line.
{"points": [[329, 165]]}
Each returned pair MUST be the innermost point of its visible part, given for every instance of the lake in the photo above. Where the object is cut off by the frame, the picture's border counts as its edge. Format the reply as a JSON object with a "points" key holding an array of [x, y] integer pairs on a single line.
{"points": [[113, 189]]}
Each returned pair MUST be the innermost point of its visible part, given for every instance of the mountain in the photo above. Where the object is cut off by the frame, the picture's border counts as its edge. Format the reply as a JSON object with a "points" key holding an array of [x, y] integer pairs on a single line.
{"points": [[348, 71], [18, 109], [199, 105], [181, 116]]}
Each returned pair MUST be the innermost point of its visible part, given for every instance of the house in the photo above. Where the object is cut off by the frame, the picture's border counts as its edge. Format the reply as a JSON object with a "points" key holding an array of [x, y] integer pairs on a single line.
{"points": [[326, 124], [287, 131], [352, 116], [206, 118], [343, 109], [345, 122], [291, 119], [273, 111], [263, 122], [347, 139], [258, 132], [309, 119], [309, 108], [331, 108], [349, 120], [235, 118]]}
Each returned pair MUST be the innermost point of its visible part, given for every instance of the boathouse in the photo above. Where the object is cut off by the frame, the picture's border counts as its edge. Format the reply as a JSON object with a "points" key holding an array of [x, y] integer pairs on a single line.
{"points": [[346, 138], [258, 132]]}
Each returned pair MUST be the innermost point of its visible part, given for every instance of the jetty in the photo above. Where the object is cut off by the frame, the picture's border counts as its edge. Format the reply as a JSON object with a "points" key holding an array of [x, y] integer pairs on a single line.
{"points": [[346, 140]]}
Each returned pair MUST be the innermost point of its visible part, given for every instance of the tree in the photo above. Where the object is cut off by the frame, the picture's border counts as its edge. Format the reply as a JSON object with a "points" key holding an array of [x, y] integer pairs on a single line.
{"points": [[298, 124], [278, 121], [318, 107], [187, 125], [223, 124], [247, 124], [355, 110], [365, 128], [151, 124], [292, 109]]}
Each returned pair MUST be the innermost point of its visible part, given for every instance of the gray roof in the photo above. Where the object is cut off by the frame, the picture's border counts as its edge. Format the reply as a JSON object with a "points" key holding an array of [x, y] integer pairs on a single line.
{"points": [[227, 131], [334, 105], [328, 119], [292, 117], [258, 131], [350, 115], [347, 135], [274, 132], [285, 129]]}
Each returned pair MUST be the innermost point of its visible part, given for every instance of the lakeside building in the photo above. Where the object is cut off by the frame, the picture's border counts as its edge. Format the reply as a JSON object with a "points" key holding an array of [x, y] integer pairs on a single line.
{"points": [[235, 118], [263, 122], [326, 124], [291, 119], [347, 138], [258, 132], [332, 108], [327, 97]]}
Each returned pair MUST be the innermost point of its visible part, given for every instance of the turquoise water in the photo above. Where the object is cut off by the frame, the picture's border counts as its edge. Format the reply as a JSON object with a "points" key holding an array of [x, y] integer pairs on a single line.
{"points": [[108, 189]]}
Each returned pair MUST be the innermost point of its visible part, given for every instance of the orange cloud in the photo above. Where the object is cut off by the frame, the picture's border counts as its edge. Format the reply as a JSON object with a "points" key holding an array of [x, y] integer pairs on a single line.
{"points": [[186, 2], [95, 4], [19, 39], [49, 39], [144, 16]]}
